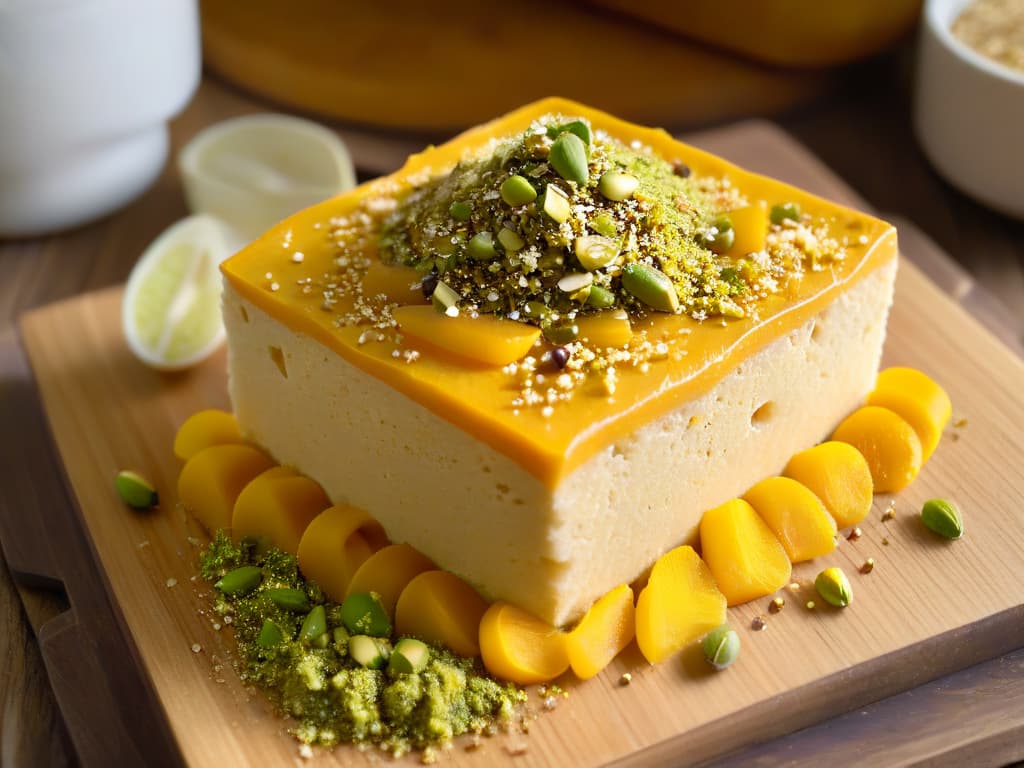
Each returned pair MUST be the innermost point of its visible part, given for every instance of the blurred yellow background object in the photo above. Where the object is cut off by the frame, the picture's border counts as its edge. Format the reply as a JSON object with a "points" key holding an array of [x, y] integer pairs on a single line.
{"points": [[444, 66], [786, 33]]}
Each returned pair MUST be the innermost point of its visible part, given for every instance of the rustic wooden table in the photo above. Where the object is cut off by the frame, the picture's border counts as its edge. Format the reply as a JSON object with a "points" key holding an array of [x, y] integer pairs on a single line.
{"points": [[861, 129]]}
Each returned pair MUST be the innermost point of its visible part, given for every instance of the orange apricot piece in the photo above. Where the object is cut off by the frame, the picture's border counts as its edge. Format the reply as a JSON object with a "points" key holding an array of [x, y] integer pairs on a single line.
{"points": [[210, 481], [606, 628], [743, 554], [610, 328], [839, 476], [275, 508], [334, 546], [203, 429], [918, 399], [396, 282], [439, 607], [387, 572], [750, 229], [680, 603], [519, 647], [796, 516], [888, 443], [486, 339]]}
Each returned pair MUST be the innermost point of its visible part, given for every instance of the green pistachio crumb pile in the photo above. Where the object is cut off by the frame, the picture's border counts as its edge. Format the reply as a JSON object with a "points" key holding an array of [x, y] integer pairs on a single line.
{"points": [[293, 645], [561, 222]]}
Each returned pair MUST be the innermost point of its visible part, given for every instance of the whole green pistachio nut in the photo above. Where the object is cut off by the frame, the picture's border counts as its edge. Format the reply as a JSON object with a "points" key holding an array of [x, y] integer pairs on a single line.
{"points": [[834, 587], [135, 490], [568, 157], [651, 286], [721, 647], [942, 517], [240, 580]]}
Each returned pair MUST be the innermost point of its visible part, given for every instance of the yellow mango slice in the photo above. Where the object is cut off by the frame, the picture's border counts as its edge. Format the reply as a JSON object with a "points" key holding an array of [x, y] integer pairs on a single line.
{"points": [[606, 329], [888, 443], [203, 429], [750, 228], [519, 647], [839, 476], [796, 516], [680, 603], [387, 572], [334, 546], [395, 282], [210, 482], [607, 628], [439, 607], [485, 339], [918, 399], [743, 554], [275, 508]]}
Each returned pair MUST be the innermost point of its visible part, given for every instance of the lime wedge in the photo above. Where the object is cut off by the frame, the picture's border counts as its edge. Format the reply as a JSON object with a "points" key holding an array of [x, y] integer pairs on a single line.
{"points": [[252, 171], [171, 308]]}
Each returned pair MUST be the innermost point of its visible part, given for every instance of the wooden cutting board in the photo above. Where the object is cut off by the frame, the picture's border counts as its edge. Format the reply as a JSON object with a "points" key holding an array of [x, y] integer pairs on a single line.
{"points": [[927, 609]]}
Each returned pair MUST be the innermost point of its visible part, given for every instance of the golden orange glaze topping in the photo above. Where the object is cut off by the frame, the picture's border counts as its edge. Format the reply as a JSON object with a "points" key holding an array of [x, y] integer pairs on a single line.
{"points": [[291, 273]]}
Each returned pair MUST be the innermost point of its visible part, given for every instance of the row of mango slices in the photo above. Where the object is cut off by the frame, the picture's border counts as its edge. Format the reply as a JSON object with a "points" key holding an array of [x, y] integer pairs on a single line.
{"points": [[747, 544]]}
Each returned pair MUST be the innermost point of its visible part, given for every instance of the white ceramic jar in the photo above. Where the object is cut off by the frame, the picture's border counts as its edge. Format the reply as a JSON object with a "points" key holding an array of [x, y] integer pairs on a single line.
{"points": [[86, 90], [969, 113]]}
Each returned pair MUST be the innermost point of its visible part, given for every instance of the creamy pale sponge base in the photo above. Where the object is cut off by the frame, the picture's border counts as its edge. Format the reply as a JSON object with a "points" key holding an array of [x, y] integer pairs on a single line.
{"points": [[549, 507], [477, 513]]}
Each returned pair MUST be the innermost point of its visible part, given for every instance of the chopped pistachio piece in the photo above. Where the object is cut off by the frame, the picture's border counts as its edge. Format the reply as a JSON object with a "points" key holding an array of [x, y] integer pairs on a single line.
{"points": [[369, 652], [517, 190], [575, 281], [409, 655], [721, 236], [460, 211], [509, 240], [600, 297], [578, 127], [617, 186], [568, 157], [561, 333], [445, 299], [270, 635], [288, 599], [481, 247], [364, 613], [314, 625], [240, 580], [596, 251], [651, 286], [555, 204], [604, 224], [784, 212]]}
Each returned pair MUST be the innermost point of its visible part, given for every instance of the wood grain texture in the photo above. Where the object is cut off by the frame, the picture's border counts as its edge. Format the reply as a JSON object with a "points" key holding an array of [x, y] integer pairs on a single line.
{"points": [[928, 608]]}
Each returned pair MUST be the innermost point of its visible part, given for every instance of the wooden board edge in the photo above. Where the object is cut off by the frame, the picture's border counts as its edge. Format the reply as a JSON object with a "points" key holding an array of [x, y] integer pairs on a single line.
{"points": [[78, 644], [790, 711]]}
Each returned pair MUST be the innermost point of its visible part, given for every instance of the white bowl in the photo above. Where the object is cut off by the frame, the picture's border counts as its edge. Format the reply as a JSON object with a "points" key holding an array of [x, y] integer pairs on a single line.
{"points": [[969, 113], [86, 89]]}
